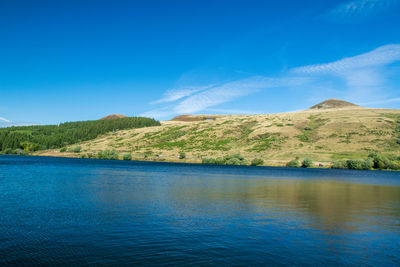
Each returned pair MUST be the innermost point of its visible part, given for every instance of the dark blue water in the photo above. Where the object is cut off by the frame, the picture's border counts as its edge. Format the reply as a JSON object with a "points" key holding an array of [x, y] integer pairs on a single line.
{"points": [[84, 212]]}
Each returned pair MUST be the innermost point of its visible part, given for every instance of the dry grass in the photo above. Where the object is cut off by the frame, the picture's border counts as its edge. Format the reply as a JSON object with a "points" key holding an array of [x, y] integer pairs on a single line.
{"points": [[277, 138]]}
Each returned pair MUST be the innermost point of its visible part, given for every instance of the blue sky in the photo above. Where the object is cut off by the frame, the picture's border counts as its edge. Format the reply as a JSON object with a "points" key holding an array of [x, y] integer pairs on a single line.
{"points": [[81, 60]]}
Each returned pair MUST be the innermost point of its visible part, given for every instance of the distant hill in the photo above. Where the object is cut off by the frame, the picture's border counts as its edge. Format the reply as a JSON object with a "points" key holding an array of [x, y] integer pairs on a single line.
{"points": [[334, 103], [113, 116], [329, 131], [195, 117]]}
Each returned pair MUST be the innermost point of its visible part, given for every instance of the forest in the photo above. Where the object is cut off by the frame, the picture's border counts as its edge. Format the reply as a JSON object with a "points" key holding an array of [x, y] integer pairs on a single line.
{"points": [[40, 137]]}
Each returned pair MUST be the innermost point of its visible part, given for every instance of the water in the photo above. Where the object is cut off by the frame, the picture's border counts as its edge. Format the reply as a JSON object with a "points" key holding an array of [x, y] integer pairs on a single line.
{"points": [[84, 212]]}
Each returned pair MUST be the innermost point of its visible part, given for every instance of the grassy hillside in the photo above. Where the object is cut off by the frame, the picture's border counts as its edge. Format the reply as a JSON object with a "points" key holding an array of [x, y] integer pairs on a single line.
{"points": [[324, 135], [32, 138]]}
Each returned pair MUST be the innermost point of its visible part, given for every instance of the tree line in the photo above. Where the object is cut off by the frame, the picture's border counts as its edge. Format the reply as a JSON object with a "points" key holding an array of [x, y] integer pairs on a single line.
{"points": [[40, 137]]}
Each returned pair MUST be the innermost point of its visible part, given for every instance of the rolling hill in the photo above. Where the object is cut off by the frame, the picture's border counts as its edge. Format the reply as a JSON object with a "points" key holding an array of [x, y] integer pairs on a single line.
{"points": [[332, 132]]}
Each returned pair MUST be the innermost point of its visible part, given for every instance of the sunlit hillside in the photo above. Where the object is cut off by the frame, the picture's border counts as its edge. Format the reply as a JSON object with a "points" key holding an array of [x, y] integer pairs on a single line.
{"points": [[324, 135]]}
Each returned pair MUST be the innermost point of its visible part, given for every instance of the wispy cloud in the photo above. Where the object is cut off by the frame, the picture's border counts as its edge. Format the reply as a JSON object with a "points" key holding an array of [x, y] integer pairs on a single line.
{"points": [[179, 93], [361, 8], [4, 119], [384, 101], [364, 75], [361, 78], [230, 91], [234, 111], [378, 57]]}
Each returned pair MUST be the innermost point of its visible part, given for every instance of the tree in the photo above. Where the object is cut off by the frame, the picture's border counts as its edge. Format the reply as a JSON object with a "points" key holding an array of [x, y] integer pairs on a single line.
{"points": [[257, 162], [307, 162], [293, 164]]}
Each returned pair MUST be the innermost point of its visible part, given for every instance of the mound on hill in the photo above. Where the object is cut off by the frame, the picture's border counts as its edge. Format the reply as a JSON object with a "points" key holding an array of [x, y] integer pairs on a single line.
{"points": [[113, 116], [334, 103], [195, 117]]}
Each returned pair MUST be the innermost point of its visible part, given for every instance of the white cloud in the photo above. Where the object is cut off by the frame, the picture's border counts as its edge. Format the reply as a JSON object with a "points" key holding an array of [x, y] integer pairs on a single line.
{"points": [[361, 79], [359, 8], [4, 119], [378, 57], [364, 76], [234, 111], [230, 91], [384, 101], [179, 93]]}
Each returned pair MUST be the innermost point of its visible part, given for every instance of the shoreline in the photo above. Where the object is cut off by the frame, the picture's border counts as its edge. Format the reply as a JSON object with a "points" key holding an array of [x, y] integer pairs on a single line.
{"points": [[194, 163]]}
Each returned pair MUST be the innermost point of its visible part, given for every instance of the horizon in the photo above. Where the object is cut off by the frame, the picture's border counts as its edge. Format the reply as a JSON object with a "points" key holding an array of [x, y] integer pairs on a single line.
{"points": [[83, 60]]}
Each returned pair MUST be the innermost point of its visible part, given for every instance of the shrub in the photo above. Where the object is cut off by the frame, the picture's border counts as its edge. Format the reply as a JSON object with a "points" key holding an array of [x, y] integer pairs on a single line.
{"points": [[235, 159], [307, 162], [107, 154], [339, 165], [64, 149], [19, 151], [219, 161], [354, 164], [208, 161], [76, 149], [90, 155], [257, 162], [127, 156], [367, 164], [8, 151], [398, 141], [182, 155], [293, 163]]}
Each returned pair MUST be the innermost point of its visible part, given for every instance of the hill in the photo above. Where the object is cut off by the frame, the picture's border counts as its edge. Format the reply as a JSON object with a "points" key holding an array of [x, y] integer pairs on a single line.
{"points": [[334, 103], [113, 116], [324, 135], [40, 137]]}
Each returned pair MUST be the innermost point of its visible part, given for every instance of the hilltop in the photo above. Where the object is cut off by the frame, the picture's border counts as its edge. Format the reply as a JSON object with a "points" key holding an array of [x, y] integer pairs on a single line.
{"points": [[334, 103], [113, 116], [324, 135]]}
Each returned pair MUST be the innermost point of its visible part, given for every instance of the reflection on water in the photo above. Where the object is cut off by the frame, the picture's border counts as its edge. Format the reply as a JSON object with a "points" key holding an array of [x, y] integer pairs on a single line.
{"points": [[97, 212]]}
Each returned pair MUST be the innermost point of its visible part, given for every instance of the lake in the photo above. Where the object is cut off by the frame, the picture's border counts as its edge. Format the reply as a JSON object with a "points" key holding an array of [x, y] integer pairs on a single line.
{"points": [[84, 212]]}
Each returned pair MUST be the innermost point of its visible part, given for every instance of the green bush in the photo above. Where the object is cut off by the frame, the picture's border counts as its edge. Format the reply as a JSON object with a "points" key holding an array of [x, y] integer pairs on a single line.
{"points": [[219, 161], [257, 162], [9, 151], [107, 154], [76, 149], [207, 161], [360, 164], [182, 155], [64, 149], [19, 151], [354, 164], [339, 165], [398, 141], [307, 162], [293, 164], [127, 156], [235, 159]]}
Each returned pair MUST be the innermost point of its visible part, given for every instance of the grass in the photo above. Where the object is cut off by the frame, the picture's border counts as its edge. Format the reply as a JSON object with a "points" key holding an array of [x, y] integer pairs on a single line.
{"points": [[332, 136]]}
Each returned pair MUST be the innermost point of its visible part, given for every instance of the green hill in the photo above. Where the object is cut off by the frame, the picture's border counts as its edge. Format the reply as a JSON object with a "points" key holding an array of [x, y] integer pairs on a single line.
{"points": [[323, 135], [32, 138]]}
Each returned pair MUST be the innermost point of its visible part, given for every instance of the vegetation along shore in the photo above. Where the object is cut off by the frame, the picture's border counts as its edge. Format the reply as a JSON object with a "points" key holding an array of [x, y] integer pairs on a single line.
{"points": [[333, 134]]}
